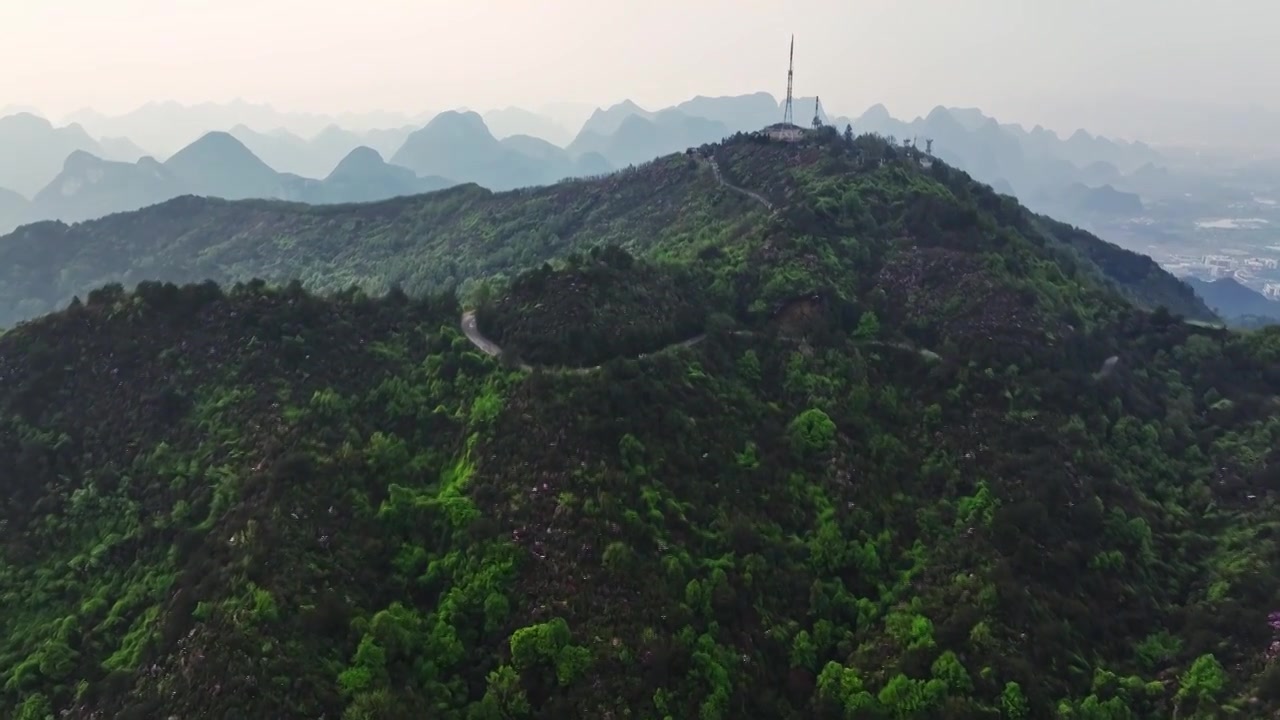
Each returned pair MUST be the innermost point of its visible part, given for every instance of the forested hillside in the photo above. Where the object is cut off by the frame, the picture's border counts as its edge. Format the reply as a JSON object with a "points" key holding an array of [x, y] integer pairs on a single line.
{"points": [[600, 306], [440, 240], [928, 462]]}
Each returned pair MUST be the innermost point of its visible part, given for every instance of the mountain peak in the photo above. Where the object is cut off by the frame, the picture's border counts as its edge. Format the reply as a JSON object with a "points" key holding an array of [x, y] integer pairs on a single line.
{"points": [[627, 106], [25, 122], [221, 166], [360, 161], [217, 140], [876, 113], [79, 160], [940, 114]]}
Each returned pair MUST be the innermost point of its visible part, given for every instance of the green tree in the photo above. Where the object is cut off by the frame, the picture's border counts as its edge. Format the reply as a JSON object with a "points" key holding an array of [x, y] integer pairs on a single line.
{"points": [[803, 653], [504, 697], [949, 670], [868, 326], [34, 707], [1201, 686], [1013, 704], [812, 432]]}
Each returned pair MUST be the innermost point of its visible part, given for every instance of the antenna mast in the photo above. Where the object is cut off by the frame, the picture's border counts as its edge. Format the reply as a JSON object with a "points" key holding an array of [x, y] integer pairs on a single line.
{"points": [[817, 112], [791, 63]]}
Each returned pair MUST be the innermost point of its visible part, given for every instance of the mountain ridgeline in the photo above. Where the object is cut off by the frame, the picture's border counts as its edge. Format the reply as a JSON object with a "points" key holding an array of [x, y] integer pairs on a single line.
{"points": [[934, 456], [1088, 180], [673, 205], [219, 166]]}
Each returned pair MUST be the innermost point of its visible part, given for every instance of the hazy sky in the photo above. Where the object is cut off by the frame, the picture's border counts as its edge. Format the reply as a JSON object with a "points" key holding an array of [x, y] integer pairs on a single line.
{"points": [[1026, 60]]}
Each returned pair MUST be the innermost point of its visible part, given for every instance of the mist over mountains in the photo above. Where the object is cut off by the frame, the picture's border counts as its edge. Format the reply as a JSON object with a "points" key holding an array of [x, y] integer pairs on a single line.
{"points": [[244, 150], [1110, 187]]}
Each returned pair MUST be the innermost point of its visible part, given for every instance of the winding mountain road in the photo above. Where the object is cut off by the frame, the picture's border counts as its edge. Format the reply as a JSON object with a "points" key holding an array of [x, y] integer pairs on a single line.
{"points": [[492, 349], [715, 169], [487, 346]]}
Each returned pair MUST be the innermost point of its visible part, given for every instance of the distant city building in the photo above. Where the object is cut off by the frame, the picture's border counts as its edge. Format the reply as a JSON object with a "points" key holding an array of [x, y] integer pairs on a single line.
{"points": [[1272, 290]]}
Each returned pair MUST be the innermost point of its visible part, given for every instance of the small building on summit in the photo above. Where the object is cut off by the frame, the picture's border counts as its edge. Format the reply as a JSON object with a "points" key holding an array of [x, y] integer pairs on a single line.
{"points": [[786, 132]]}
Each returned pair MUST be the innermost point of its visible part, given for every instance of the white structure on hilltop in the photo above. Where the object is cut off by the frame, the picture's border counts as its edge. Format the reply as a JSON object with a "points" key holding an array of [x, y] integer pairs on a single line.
{"points": [[1272, 291], [784, 132]]}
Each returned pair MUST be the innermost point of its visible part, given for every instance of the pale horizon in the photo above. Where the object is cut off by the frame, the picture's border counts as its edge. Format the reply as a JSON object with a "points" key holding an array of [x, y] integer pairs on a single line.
{"points": [[1063, 66]]}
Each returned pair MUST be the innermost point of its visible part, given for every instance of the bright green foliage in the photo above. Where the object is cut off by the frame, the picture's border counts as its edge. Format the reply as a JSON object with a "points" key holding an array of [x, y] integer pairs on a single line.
{"points": [[548, 644], [35, 707], [1013, 704], [949, 670], [812, 432], [803, 653], [1158, 649], [1201, 687], [905, 698], [868, 326], [842, 688], [504, 697]]}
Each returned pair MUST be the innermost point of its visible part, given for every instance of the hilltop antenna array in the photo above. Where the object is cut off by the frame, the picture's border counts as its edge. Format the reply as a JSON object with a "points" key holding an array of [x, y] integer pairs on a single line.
{"points": [[928, 146], [817, 112], [791, 64]]}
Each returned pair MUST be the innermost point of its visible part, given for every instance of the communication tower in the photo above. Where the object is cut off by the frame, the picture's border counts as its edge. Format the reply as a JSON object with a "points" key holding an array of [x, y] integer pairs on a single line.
{"points": [[791, 64], [817, 112]]}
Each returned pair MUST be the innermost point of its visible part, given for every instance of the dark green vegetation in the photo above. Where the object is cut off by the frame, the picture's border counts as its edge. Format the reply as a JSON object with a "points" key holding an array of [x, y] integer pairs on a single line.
{"points": [[600, 306], [261, 503]]}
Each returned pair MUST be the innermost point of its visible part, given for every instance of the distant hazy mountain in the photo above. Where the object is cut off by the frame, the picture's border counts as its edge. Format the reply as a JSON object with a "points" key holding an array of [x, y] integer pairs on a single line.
{"points": [[1081, 176], [1079, 202], [1230, 299], [738, 112], [1078, 177], [388, 141], [513, 121], [20, 110], [219, 165], [642, 136], [32, 151], [216, 165], [122, 149], [316, 157], [606, 121], [165, 127], [89, 187], [1104, 200], [459, 146], [363, 176], [568, 114], [13, 208], [285, 152]]}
